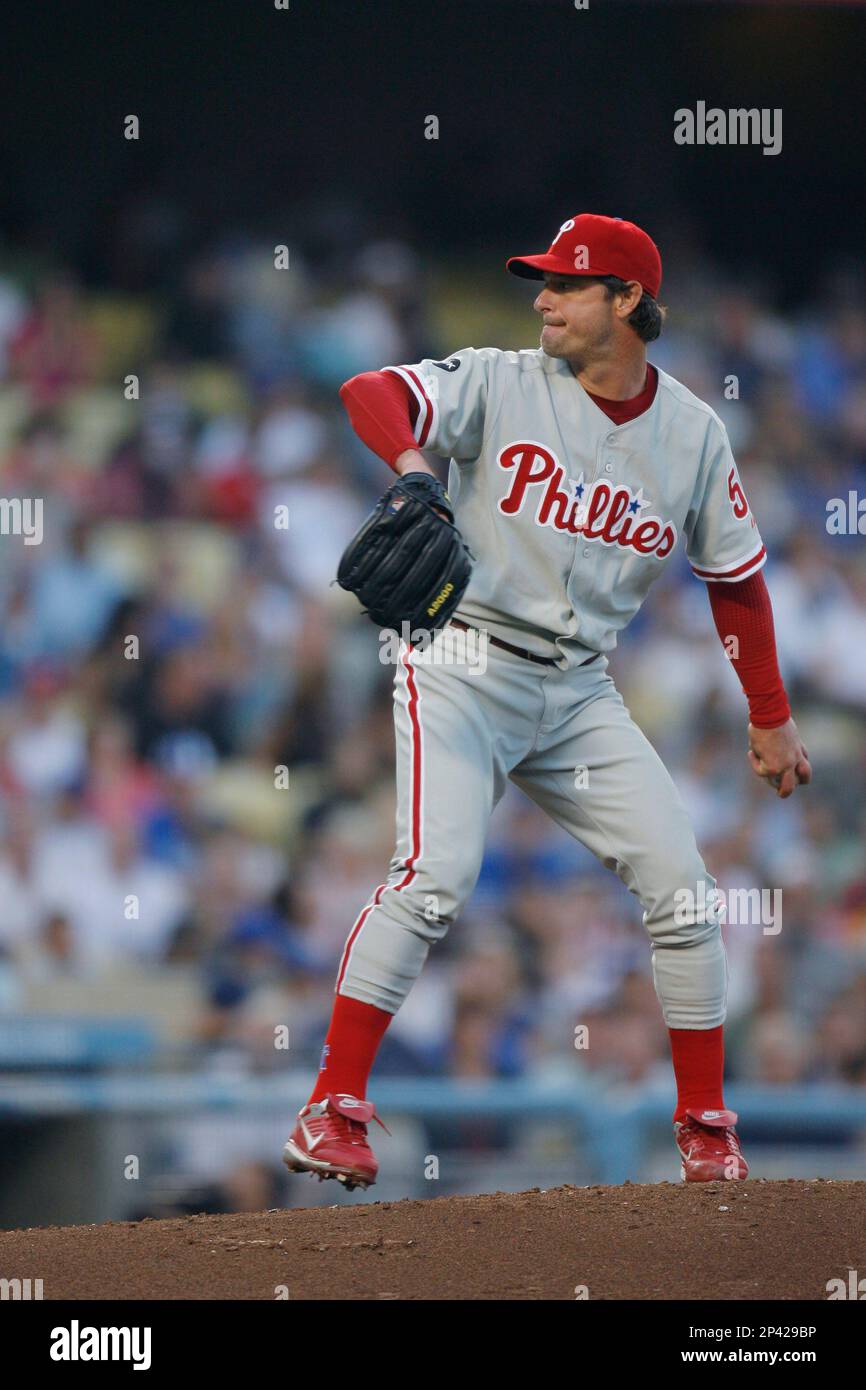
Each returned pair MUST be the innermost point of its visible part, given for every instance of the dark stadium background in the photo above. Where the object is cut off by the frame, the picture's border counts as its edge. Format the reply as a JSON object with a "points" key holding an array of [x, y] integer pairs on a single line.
{"points": [[155, 257], [249, 113]]}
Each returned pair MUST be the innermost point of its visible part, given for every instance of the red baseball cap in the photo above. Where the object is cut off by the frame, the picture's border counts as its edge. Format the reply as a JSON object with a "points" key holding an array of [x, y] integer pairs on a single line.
{"points": [[590, 244]]}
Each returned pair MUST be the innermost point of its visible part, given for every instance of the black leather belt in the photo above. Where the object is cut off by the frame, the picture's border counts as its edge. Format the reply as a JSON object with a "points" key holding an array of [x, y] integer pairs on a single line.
{"points": [[517, 651]]}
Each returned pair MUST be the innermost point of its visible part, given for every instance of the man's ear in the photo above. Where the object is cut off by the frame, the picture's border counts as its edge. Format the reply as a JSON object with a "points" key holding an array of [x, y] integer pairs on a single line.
{"points": [[629, 299]]}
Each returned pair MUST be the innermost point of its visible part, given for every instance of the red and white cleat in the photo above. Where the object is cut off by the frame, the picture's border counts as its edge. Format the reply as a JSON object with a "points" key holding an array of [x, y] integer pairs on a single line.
{"points": [[709, 1147], [330, 1139]]}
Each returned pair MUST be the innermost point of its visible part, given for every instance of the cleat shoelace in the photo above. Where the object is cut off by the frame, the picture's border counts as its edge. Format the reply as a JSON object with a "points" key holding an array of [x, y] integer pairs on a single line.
{"points": [[725, 1140], [341, 1127]]}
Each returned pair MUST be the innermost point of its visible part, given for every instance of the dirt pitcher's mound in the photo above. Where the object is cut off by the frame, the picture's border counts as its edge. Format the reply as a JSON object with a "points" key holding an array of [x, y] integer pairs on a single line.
{"points": [[765, 1240]]}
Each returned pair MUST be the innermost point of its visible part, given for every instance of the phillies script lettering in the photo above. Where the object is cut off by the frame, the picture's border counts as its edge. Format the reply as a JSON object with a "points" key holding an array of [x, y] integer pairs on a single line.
{"points": [[599, 511]]}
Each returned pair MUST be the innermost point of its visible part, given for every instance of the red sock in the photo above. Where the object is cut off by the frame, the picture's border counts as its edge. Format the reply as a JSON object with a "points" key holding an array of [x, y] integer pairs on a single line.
{"points": [[350, 1048], [699, 1059]]}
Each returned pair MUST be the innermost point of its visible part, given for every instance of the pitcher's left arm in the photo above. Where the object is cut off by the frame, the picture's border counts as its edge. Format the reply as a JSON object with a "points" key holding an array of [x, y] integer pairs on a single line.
{"points": [[725, 550]]}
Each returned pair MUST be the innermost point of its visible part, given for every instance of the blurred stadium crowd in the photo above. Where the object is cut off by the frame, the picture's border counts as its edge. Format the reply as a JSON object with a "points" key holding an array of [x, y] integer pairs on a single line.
{"points": [[146, 845]]}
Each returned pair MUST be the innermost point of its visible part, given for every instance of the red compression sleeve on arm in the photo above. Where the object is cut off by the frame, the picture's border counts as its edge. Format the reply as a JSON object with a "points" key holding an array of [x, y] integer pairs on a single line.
{"points": [[382, 410], [744, 611]]}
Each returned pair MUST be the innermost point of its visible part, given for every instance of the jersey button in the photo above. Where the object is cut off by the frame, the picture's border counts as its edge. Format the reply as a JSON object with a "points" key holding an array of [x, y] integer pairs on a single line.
{"points": [[586, 551], [608, 468]]}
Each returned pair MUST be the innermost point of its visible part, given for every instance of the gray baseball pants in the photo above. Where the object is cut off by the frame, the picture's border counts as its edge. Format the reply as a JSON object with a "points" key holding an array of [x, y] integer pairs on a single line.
{"points": [[467, 720]]}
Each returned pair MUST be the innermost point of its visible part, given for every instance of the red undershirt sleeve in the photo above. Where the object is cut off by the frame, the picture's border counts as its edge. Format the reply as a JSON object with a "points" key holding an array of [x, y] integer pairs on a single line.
{"points": [[743, 611], [382, 411]]}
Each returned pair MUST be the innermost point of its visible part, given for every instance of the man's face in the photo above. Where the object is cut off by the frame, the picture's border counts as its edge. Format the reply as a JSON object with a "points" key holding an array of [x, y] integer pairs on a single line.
{"points": [[580, 322]]}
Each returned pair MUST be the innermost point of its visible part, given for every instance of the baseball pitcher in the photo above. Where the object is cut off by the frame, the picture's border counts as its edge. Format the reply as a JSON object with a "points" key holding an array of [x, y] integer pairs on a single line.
{"points": [[577, 468]]}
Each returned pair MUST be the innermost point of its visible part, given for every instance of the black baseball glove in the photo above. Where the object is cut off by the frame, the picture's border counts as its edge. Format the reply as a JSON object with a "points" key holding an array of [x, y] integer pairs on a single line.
{"points": [[408, 563]]}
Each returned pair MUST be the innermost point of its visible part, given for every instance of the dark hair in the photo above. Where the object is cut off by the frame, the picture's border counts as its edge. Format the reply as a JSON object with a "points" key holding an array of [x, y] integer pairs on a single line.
{"points": [[647, 318]]}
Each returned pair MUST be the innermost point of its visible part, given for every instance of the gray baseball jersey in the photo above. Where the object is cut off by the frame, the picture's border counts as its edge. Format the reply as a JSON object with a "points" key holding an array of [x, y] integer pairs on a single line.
{"points": [[570, 516]]}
